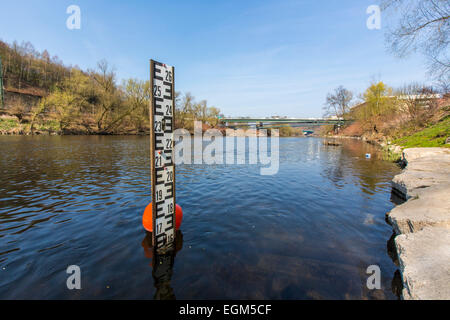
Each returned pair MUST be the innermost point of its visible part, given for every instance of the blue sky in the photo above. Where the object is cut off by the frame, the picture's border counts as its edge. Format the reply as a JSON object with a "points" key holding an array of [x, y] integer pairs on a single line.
{"points": [[249, 58]]}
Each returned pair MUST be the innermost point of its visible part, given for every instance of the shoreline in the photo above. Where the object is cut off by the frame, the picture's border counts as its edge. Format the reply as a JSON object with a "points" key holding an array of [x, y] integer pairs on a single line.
{"points": [[392, 152], [422, 223], [15, 132]]}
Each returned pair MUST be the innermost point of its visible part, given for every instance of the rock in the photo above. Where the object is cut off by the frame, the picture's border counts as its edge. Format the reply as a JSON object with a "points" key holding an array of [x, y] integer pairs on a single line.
{"points": [[415, 153], [425, 167], [430, 207], [424, 259], [409, 183], [423, 223], [334, 144], [396, 149]]}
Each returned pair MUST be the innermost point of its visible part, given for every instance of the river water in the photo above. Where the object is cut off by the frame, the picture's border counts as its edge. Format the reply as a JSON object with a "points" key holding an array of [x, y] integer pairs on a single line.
{"points": [[308, 232]]}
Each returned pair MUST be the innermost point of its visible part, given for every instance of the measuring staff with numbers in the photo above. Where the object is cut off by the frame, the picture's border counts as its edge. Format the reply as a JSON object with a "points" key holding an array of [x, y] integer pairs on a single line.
{"points": [[162, 216]]}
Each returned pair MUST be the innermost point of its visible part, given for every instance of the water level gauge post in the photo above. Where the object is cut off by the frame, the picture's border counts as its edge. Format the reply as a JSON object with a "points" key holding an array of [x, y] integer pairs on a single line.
{"points": [[162, 123]]}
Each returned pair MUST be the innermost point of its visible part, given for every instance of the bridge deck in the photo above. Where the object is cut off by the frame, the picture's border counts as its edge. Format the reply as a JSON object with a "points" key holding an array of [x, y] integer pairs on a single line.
{"points": [[320, 121]]}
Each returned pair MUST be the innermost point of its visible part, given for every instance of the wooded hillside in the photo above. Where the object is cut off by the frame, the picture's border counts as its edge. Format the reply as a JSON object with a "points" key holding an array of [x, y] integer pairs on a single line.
{"points": [[82, 101]]}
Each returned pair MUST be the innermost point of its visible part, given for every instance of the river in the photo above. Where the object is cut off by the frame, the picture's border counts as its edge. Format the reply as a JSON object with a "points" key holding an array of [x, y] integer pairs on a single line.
{"points": [[308, 232]]}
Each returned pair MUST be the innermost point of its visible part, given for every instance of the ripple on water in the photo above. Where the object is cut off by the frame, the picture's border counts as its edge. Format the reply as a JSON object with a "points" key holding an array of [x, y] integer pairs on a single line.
{"points": [[306, 233]]}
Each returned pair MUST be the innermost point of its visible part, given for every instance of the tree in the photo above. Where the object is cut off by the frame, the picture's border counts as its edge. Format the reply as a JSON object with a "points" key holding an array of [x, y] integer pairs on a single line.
{"points": [[91, 99], [67, 101], [338, 103], [137, 100], [185, 115], [378, 99], [418, 102], [24, 67], [213, 116], [188, 110], [109, 97], [286, 131], [424, 26]]}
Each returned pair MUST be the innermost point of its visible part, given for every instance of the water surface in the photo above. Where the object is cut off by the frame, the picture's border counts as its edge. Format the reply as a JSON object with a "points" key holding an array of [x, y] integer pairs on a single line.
{"points": [[309, 232]]}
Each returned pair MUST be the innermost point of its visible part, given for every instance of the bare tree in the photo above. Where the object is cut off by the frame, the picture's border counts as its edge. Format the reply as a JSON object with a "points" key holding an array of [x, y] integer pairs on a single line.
{"points": [[419, 102], [424, 26], [109, 96], [137, 95], [338, 103]]}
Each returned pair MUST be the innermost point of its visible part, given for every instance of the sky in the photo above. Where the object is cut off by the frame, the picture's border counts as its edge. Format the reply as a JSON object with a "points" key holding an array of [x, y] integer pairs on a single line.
{"points": [[248, 58]]}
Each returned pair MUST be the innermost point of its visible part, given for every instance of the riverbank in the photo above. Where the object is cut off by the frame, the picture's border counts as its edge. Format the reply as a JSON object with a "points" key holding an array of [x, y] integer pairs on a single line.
{"points": [[397, 135], [10, 125], [422, 223], [390, 152]]}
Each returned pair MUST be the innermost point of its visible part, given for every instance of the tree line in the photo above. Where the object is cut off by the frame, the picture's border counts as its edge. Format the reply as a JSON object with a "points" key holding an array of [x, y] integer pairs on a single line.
{"points": [[24, 66], [91, 101], [383, 109]]}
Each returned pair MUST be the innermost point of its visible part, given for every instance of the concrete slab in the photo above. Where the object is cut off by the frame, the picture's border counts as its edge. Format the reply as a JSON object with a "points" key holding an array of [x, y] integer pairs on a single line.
{"points": [[424, 260], [430, 207], [425, 168], [415, 153]]}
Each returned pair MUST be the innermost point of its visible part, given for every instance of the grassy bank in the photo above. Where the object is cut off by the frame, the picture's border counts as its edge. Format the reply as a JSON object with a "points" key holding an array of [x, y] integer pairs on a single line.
{"points": [[434, 135], [7, 125]]}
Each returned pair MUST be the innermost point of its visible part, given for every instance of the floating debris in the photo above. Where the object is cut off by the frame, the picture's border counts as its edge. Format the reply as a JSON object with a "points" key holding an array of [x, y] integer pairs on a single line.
{"points": [[332, 143]]}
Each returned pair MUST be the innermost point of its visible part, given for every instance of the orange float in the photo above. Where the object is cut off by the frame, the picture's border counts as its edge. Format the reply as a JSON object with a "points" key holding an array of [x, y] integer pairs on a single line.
{"points": [[147, 218]]}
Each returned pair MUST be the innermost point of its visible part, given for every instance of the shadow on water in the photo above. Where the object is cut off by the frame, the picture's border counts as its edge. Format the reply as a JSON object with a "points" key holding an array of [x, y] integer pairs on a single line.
{"points": [[396, 198], [162, 266], [397, 284]]}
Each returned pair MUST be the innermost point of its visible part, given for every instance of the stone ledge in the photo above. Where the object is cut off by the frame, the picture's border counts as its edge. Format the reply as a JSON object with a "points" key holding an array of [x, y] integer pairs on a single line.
{"points": [[425, 167], [424, 259], [422, 223], [430, 207], [416, 153]]}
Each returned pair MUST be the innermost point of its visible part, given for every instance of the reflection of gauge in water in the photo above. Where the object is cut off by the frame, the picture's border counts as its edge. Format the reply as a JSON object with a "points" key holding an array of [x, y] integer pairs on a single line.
{"points": [[162, 266]]}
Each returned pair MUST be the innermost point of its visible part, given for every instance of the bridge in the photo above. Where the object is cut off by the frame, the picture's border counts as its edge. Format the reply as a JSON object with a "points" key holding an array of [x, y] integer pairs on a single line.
{"points": [[281, 122]]}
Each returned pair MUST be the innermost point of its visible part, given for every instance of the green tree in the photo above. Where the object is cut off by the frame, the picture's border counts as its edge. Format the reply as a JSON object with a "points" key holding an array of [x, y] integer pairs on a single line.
{"points": [[286, 131], [378, 99], [67, 101]]}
